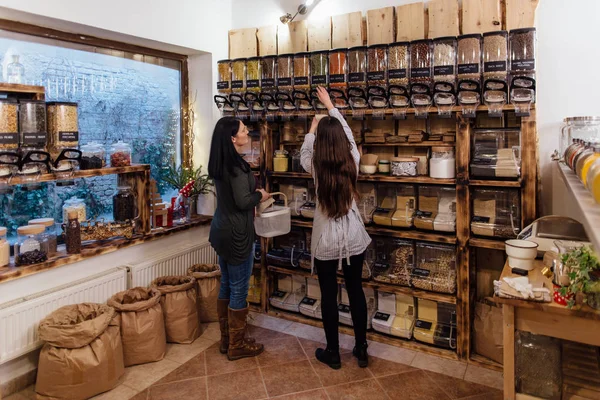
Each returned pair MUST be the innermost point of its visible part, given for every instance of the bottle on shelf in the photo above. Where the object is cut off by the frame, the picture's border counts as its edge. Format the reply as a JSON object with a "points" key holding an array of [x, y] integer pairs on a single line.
{"points": [[73, 233]]}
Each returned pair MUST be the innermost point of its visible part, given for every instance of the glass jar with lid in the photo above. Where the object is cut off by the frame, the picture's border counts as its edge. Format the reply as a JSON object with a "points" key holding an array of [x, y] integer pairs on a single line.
{"points": [[238, 75], [120, 154], [319, 68], [93, 156], [4, 248], [420, 62], [268, 74], [495, 55], [285, 72], [582, 158], [74, 204], [9, 127], [281, 161], [124, 204], [444, 60], [442, 164], [253, 74], [357, 66], [302, 73], [583, 170], [469, 57], [15, 71], [586, 128], [224, 78], [576, 153], [338, 68], [49, 235], [63, 125], [32, 123], [586, 151], [377, 65], [398, 63], [31, 246], [593, 180]]}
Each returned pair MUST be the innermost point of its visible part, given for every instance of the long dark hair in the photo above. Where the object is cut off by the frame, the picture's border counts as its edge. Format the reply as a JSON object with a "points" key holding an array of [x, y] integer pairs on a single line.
{"points": [[334, 168], [222, 151]]}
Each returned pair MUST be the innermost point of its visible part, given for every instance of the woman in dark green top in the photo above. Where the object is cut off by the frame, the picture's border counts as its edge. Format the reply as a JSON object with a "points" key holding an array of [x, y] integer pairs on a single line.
{"points": [[232, 233]]}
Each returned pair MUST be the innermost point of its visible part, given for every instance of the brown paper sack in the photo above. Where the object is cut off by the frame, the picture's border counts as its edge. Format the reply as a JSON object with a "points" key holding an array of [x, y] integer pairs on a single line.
{"points": [[83, 354], [178, 302], [488, 331], [208, 279], [142, 325]]}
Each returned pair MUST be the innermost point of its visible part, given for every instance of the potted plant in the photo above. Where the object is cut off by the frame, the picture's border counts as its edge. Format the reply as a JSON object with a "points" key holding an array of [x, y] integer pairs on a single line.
{"points": [[584, 276], [202, 194]]}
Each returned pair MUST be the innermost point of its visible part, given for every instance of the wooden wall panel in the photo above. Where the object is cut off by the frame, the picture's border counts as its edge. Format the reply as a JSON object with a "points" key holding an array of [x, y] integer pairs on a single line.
{"points": [[520, 13], [243, 43], [443, 18], [267, 40], [479, 16], [292, 38], [410, 22], [319, 34], [380, 26], [347, 30]]}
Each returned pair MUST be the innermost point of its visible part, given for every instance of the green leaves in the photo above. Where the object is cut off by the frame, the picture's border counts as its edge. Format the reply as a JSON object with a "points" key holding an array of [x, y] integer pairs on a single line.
{"points": [[582, 262], [178, 176]]}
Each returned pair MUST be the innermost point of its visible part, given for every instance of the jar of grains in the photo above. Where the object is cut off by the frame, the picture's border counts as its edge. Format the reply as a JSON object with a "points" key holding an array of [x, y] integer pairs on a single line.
{"points": [[9, 129], [444, 60], [30, 247], [120, 154], [338, 68], [318, 67], [238, 75], [398, 63], [74, 204], [420, 62], [63, 126], [495, 55], [49, 234], [253, 74], [301, 78], [224, 79], [357, 66], [285, 72], [522, 50], [469, 57], [377, 65], [268, 74], [32, 122]]}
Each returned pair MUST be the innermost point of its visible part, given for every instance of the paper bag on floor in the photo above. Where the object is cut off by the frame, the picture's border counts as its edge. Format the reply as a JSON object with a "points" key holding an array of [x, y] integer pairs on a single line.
{"points": [[208, 278], [142, 325], [488, 331], [178, 302], [83, 354]]}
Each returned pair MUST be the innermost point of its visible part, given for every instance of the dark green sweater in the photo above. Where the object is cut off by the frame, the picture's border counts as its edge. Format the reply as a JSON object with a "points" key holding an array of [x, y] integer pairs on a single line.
{"points": [[232, 227]]}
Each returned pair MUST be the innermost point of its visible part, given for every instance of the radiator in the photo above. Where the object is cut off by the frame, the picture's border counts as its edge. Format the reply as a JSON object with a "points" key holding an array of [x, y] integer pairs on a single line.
{"points": [[173, 263], [19, 319]]}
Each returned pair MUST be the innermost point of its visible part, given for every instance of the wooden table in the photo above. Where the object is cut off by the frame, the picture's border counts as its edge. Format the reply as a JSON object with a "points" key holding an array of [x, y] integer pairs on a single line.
{"points": [[549, 319]]}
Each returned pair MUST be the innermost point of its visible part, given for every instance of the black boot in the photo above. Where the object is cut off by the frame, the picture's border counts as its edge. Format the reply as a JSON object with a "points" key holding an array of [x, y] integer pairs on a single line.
{"points": [[360, 352], [329, 357]]}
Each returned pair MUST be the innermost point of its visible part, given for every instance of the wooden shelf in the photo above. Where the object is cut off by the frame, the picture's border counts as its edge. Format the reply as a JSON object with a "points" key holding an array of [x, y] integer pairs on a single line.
{"points": [[18, 180], [408, 144], [491, 183], [371, 335], [17, 88], [296, 175], [487, 244], [373, 178], [421, 294]]}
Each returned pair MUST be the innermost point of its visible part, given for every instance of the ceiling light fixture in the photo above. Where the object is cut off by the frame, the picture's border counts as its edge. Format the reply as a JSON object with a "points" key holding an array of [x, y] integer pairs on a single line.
{"points": [[302, 9]]}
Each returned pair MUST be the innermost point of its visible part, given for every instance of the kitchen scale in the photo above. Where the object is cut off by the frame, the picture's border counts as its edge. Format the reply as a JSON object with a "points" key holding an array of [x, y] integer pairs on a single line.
{"points": [[544, 231]]}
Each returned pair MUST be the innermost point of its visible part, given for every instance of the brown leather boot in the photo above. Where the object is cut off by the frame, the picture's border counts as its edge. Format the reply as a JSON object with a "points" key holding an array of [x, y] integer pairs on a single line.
{"points": [[239, 347], [222, 307]]}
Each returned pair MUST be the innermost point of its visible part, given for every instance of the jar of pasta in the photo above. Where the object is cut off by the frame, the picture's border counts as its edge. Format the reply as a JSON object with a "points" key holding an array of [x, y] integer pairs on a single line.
{"points": [[224, 79]]}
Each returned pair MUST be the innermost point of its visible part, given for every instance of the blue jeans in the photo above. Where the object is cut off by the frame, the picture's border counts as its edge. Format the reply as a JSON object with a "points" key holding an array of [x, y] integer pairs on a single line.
{"points": [[235, 281]]}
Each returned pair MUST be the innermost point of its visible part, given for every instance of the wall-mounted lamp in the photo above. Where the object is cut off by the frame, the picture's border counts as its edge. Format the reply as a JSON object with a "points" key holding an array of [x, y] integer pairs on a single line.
{"points": [[302, 9]]}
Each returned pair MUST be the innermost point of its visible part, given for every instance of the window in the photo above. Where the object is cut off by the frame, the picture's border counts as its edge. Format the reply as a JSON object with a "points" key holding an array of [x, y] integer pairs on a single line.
{"points": [[136, 98]]}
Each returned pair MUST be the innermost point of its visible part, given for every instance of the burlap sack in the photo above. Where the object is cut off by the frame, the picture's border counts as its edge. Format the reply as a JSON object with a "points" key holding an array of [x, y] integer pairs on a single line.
{"points": [[208, 279], [489, 338], [178, 302], [142, 325], [83, 354]]}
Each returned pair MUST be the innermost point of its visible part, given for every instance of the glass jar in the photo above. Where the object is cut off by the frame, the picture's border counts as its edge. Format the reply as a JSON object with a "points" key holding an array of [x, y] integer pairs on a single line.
{"points": [[338, 68], [420, 62], [584, 171], [469, 57], [576, 153], [268, 73], [32, 122], [384, 167], [496, 213], [9, 127], [238, 75], [4, 248], [404, 166], [495, 55], [120, 154], [93, 156], [442, 164], [49, 235], [398, 63], [319, 68], [522, 50], [296, 164], [587, 153], [253, 74], [74, 204], [285, 72], [30, 247], [377, 65], [280, 161], [63, 125], [224, 79], [593, 180], [586, 128], [302, 71], [124, 204], [357, 66], [15, 71], [444, 60]]}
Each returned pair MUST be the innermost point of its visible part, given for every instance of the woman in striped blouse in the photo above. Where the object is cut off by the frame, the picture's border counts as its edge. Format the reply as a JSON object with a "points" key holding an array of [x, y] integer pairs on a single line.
{"points": [[339, 238]]}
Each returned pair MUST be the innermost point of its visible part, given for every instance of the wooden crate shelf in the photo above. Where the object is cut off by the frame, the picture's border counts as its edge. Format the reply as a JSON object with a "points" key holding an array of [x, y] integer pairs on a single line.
{"points": [[425, 180], [90, 173], [487, 243], [413, 144]]}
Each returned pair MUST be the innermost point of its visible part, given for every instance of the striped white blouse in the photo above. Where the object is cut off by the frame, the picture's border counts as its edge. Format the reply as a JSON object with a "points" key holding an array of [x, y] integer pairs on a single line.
{"points": [[335, 239]]}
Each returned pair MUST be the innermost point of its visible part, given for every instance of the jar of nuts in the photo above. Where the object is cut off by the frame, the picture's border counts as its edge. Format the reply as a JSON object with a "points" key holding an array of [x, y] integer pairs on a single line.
{"points": [[120, 154]]}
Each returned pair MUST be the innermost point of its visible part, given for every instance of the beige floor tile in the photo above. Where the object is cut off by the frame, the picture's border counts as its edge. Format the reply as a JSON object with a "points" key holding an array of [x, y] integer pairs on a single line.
{"points": [[458, 388], [440, 365], [241, 385], [182, 353], [391, 353], [140, 377], [26, 394], [211, 331], [484, 376], [346, 341], [380, 367], [121, 392], [363, 390], [307, 332], [269, 322]]}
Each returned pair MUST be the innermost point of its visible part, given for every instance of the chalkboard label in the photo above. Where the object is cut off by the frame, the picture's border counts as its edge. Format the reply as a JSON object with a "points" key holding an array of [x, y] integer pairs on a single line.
{"points": [[252, 83], [223, 85], [468, 69], [278, 293], [397, 73], [301, 80], [444, 70], [523, 65], [9, 138], [423, 273], [356, 77], [267, 82], [284, 82], [308, 301], [484, 220], [381, 316], [423, 324], [376, 76], [345, 308], [420, 72], [38, 138], [494, 66], [319, 79], [68, 136], [337, 78], [237, 84]]}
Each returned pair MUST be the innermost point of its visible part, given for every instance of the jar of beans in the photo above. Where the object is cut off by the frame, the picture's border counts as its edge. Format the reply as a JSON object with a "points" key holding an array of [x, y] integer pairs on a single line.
{"points": [[420, 62], [224, 76], [377, 65], [338, 69], [93, 156], [522, 50], [31, 247], [253, 74], [357, 66], [9, 128], [124, 204], [238, 75], [302, 73], [469, 57], [318, 67], [285, 72], [398, 63], [120, 154], [268, 74]]}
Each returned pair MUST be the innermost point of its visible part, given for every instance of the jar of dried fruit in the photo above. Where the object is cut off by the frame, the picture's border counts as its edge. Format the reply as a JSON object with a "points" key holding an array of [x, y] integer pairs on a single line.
{"points": [[120, 154], [338, 68]]}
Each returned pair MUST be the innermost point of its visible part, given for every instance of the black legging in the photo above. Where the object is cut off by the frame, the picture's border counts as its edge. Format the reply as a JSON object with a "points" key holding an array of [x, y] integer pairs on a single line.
{"points": [[327, 272]]}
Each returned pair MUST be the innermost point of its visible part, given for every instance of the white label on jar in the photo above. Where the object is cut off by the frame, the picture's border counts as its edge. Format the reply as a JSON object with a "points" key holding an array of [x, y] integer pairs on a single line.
{"points": [[29, 245], [68, 136]]}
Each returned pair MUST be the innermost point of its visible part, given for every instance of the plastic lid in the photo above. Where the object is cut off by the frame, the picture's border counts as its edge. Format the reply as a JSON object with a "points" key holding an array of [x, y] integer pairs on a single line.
{"points": [[286, 55], [61, 103], [3, 231], [338, 50], [384, 161], [124, 187], [421, 41], [42, 221], [30, 229], [92, 146], [239, 59], [120, 145], [73, 200], [377, 46], [281, 153]]}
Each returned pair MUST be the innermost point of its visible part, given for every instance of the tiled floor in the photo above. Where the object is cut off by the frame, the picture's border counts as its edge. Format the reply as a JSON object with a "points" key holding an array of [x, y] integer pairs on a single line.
{"points": [[287, 370]]}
